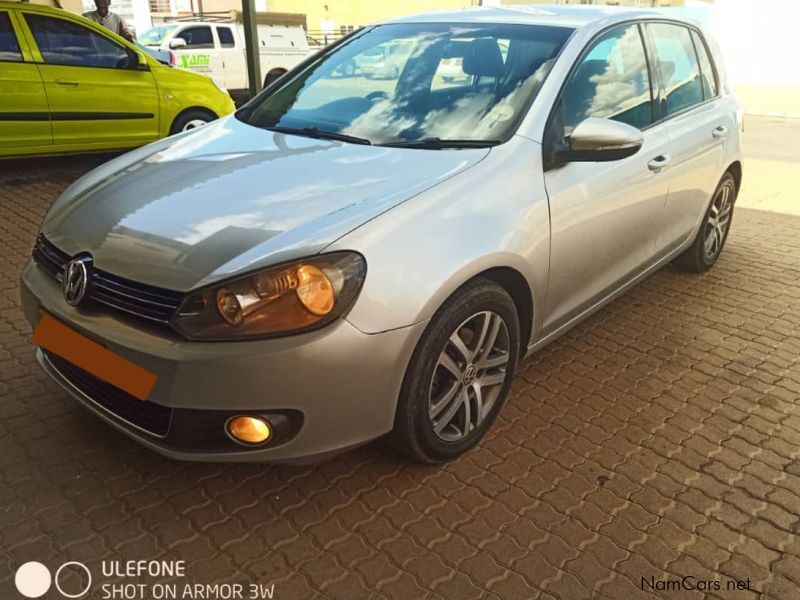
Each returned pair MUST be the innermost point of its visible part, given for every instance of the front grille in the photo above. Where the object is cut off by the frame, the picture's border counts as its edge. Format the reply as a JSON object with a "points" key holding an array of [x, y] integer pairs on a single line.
{"points": [[50, 258], [147, 416], [144, 301]]}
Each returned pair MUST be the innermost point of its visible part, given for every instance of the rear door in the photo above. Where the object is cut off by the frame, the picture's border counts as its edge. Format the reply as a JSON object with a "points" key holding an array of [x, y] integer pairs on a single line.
{"points": [[24, 114], [234, 73], [690, 107], [96, 99]]}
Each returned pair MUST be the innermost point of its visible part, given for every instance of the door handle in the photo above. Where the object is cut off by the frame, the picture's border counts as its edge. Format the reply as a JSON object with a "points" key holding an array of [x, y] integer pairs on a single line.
{"points": [[659, 162], [66, 82], [720, 132]]}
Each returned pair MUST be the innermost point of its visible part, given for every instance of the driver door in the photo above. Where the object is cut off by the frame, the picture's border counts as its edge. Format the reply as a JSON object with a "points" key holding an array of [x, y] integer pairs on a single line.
{"points": [[96, 99], [605, 215]]}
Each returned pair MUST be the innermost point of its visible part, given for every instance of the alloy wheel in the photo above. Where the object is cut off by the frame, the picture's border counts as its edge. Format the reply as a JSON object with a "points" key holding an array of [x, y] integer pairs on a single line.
{"points": [[468, 376], [719, 219]]}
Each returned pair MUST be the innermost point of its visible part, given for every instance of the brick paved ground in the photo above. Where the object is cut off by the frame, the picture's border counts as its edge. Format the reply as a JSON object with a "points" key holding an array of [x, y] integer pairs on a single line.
{"points": [[660, 438]]}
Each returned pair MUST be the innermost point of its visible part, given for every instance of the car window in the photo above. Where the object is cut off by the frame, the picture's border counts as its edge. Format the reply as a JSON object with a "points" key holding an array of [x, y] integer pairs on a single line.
{"points": [[63, 42], [155, 35], [706, 68], [677, 62], [9, 47], [225, 37], [450, 72], [197, 37], [610, 82], [383, 84]]}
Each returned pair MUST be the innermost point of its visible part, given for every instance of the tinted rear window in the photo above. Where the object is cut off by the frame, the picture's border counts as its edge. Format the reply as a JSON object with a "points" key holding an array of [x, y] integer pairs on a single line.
{"points": [[680, 71], [225, 37], [706, 67]]}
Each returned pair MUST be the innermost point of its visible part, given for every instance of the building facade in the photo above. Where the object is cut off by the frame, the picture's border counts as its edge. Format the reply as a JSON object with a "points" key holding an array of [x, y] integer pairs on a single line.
{"points": [[337, 17]]}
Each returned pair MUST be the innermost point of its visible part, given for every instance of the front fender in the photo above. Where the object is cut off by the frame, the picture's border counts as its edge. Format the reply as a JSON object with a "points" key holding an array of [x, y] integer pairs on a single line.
{"points": [[494, 214]]}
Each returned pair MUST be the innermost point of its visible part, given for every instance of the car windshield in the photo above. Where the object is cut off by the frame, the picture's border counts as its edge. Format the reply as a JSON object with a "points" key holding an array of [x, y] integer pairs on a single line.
{"points": [[416, 84], [155, 35]]}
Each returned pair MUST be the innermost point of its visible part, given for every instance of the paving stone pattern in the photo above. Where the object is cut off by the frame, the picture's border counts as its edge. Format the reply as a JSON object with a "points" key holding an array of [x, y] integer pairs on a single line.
{"points": [[658, 439]]}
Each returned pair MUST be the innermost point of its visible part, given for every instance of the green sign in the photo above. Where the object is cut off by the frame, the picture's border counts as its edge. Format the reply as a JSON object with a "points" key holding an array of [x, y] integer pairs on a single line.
{"points": [[189, 61]]}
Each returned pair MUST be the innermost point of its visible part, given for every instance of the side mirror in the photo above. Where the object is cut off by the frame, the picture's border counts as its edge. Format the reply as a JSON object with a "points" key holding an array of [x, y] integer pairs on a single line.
{"points": [[133, 62], [272, 77], [602, 140], [177, 42]]}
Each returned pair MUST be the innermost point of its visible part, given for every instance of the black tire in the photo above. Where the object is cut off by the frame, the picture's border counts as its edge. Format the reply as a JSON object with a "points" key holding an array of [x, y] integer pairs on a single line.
{"points": [[697, 258], [414, 433], [186, 119]]}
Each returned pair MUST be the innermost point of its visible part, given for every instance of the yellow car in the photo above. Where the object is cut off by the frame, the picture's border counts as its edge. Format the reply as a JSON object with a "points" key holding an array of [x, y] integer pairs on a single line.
{"points": [[71, 85]]}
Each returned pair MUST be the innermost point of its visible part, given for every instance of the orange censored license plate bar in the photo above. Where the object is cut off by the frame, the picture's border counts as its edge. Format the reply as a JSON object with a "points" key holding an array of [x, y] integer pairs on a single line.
{"points": [[90, 356]]}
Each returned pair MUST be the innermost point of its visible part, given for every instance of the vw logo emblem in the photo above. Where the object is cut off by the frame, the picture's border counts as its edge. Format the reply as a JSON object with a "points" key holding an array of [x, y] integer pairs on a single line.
{"points": [[76, 279]]}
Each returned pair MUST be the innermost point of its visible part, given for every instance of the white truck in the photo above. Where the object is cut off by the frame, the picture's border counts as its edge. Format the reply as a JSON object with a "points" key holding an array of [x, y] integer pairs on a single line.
{"points": [[214, 45]]}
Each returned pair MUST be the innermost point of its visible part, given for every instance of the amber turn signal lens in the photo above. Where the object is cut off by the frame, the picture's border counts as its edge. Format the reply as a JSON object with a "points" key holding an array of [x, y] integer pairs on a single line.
{"points": [[249, 430], [314, 290]]}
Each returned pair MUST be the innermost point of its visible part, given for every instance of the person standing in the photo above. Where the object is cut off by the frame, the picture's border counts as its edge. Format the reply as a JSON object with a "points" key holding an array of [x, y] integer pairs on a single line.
{"points": [[109, 20]]}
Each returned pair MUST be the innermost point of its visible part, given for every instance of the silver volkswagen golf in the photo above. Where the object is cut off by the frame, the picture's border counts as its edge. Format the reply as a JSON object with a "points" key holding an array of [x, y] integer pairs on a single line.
{"points": [[348, 257]]}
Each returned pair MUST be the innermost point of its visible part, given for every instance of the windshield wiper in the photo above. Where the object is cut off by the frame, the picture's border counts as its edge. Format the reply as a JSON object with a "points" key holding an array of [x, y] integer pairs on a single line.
{"points": [[321, 134], [438, 143]]}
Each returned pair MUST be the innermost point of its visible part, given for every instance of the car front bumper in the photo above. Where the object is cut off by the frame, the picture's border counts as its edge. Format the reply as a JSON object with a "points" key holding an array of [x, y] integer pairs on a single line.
{"points": [[343, 384]]}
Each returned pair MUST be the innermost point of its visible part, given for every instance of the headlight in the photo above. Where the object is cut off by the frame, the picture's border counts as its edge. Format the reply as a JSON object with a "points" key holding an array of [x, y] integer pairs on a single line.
{"points": [[219, 84], [289, 298]]}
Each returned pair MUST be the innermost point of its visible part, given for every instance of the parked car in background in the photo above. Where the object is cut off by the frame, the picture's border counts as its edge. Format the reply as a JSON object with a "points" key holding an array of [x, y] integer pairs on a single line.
{"points": [[346, 258], [451, 67], [383, 61], [215, 47], [71, 85]]}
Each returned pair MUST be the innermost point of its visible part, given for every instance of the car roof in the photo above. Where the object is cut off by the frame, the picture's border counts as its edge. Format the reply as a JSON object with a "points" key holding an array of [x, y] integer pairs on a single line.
{"points": [[572, 16]]}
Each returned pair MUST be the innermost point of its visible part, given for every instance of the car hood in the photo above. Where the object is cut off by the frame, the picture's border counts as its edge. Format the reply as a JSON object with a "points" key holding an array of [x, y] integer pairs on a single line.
{"points": [[230, 198]]}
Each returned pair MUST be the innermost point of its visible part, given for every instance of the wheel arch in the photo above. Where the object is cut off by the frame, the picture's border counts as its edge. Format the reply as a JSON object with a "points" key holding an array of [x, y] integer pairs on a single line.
{"points": [[204, 109], [735, 169], [513, 282], [508, 277]]}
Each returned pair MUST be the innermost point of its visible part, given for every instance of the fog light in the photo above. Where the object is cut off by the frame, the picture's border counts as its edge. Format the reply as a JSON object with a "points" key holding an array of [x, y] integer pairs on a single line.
{"points": [[249, 430]]}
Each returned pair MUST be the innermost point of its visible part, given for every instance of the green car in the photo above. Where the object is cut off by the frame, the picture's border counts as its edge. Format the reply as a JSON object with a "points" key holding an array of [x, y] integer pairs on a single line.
{"points": [[70, 85]]}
